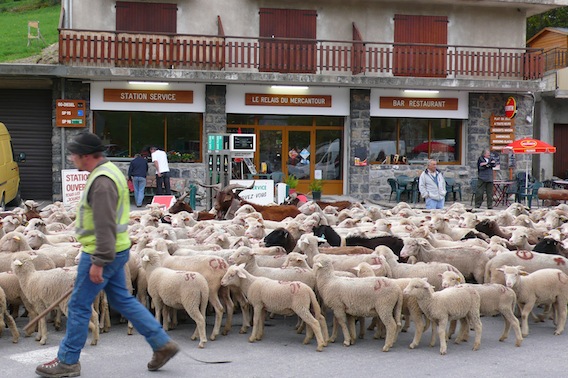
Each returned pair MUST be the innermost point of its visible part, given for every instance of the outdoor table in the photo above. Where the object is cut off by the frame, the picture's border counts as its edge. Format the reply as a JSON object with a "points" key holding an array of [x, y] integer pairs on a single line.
{"points": [[500, 192]]}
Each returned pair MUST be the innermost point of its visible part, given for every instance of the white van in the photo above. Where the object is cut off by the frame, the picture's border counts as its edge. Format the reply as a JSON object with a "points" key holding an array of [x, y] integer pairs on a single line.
{"points": [[9, 171]]}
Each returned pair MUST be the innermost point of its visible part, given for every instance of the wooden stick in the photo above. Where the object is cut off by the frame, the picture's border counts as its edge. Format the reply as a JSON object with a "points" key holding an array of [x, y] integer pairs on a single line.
{"points": [[47, 310]]}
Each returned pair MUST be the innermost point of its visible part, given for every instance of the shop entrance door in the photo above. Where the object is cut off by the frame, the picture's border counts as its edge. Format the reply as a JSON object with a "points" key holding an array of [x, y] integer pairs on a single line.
{"points": [[305, 152]]}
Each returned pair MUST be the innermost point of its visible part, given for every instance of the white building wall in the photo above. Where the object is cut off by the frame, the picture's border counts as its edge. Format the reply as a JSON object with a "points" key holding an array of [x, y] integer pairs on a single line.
{"points": [[478, 26]]}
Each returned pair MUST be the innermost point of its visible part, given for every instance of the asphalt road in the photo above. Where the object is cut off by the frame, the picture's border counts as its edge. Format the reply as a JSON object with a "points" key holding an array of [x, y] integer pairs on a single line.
{"points": [[282, 354]]}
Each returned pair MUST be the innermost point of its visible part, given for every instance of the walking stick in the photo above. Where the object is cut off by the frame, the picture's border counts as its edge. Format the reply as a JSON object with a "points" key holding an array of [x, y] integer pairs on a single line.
{"points": [[47, 310]]}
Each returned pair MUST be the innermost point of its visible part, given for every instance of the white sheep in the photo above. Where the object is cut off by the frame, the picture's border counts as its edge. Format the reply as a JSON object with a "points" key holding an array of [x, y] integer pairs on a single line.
{"points": [[244, 255], [178, 290], [369, 296], [43, 287], [14, 241], [469, 260], [6, 318], [212, 268], [529, 260], [431, 271], [545, 286], [455, 303], [41, 261], [280, 297], [495, 299]]}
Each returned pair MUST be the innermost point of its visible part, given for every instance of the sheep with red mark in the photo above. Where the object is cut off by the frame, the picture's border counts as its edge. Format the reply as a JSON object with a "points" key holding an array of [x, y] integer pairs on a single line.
{"points": [[530, 261], [469, 260], [495, 299], [454, 303], [177, 290], [212, 268], [542, 287], [369, 296], [279, 297]]}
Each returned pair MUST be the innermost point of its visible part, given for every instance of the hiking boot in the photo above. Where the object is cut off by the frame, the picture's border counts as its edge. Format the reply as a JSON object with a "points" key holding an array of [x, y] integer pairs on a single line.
{"points": [[57, 369], [163, 355]]}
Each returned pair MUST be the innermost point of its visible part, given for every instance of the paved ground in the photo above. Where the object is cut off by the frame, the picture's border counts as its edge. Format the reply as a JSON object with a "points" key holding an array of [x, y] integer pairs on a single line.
{"points": [[281, 354]]}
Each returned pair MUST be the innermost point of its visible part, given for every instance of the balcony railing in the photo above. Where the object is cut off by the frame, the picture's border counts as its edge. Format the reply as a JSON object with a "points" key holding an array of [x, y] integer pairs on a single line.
{"points": [[116, 49]]}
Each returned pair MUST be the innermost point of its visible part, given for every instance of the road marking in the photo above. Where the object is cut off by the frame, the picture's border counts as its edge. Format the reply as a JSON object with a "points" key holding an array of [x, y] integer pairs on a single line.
{"points": [[36, 357]]}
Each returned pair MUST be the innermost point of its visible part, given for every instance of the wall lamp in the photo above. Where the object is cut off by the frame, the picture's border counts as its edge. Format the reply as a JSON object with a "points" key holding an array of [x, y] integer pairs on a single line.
{"points": [[156, 83], [421, 91]]}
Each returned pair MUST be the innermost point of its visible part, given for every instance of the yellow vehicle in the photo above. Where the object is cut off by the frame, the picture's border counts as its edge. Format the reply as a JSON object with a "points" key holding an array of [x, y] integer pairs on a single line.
{"points": [[9, 171]]}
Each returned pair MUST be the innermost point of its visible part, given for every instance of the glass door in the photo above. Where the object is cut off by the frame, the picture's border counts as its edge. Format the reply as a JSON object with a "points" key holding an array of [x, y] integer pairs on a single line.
{"points": [[270, 150]]}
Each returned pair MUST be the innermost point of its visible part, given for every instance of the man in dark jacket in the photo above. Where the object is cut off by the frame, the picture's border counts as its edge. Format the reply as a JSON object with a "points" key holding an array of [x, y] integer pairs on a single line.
{"points": [[485, 166], [137, 174]]}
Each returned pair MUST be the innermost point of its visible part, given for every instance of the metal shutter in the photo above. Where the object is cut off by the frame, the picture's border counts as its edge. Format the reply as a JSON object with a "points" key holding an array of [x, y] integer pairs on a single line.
{"points": [[146, 17], [27, 114]]}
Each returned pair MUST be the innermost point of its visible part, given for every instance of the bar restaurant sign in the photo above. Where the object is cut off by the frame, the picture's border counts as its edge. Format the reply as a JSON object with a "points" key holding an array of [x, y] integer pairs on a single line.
{"points": [[147, 96], [418, 103], [502, 131]]}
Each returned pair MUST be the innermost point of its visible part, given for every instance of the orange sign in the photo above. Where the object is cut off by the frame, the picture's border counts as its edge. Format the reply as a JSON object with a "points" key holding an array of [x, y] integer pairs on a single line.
{"points": [[70, 113], [145, 95], [418, 103], [312, 101]]}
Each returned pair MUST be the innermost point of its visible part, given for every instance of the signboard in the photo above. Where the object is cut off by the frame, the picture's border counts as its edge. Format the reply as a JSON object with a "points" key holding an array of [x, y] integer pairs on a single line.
{"points": [[70, 113], [167, 201], [502, 131], [511, 108], [73, 184], [266, 99], [261, 194], [418, 103], [147, 95]]}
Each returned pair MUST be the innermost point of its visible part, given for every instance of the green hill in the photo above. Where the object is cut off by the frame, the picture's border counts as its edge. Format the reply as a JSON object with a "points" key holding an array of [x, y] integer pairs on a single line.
{"points": [[14, 17]]}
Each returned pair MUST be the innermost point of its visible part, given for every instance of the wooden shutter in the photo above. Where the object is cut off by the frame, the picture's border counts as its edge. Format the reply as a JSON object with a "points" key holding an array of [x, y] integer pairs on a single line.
{"points": [[287, 55], [420, 61], [560, 164], [146, 17]]}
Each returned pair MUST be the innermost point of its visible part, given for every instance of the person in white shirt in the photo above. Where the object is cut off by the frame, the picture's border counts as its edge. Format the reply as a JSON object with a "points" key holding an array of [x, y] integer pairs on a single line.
{"points": [[160, 160], [432, 186]]}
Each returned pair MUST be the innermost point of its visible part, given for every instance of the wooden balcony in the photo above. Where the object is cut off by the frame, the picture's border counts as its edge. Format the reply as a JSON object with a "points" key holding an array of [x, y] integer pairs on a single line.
{"points": [[201, 52]]}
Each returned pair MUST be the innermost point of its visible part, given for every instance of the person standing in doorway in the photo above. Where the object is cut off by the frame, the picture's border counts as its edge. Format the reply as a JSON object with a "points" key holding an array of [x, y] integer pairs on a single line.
{"points": [[432, 186], [160, 160], [137, 172], [102, 229], [485, 166]]}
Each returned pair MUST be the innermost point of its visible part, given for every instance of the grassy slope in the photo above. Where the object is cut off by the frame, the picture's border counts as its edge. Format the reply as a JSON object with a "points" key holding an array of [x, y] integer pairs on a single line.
{"points": [[14, 35]]}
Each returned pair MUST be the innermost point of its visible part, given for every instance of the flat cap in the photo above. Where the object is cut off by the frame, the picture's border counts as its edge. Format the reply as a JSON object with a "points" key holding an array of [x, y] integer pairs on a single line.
{"points": [[85, 144]]}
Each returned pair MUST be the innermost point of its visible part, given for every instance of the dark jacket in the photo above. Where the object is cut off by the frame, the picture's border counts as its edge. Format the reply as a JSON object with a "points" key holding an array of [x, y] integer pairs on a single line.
{"points": [[138, 167], [485, 172]]}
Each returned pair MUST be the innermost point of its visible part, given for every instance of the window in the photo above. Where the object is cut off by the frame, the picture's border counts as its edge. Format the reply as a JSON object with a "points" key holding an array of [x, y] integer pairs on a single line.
{"points": [[146, 17], [415, 139], [128, 133]]}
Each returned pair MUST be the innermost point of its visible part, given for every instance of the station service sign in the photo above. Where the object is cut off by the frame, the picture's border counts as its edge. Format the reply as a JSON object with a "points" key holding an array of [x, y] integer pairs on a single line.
{"points": [[70, 113]]}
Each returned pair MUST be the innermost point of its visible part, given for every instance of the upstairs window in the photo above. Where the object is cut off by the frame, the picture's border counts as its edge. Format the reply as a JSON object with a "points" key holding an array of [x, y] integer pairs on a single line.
{"points": [[146, 17]]}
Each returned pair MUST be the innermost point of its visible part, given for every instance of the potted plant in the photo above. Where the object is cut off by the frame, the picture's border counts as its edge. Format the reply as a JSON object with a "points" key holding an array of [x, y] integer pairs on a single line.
{"points": [[292, 182], [315, 187]]}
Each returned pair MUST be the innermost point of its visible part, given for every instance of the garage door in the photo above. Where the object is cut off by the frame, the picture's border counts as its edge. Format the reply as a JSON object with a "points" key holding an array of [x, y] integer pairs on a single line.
{"points": [[27, 114]]}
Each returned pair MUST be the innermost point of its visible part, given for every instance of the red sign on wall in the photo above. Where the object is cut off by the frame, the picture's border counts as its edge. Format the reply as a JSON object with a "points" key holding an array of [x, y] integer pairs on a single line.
{"points": [[511, 108]]}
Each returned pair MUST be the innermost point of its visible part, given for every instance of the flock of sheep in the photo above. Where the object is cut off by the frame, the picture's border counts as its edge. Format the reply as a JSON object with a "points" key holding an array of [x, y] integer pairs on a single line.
{"points": [[178, 263]]}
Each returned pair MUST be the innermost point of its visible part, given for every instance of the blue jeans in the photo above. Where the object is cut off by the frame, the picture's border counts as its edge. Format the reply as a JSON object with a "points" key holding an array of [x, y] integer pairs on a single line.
{"points": [[119, 298], [139, 185], [433, 204]]}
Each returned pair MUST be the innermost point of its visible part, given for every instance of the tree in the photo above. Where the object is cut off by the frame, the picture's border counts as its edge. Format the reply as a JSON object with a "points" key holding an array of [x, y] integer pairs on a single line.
{"points": [[556, 18]]}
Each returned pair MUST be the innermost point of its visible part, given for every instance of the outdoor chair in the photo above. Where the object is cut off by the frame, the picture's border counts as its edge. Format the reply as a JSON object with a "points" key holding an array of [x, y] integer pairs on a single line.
{"points": [[453, 187], [396, 189], [528, 193]]}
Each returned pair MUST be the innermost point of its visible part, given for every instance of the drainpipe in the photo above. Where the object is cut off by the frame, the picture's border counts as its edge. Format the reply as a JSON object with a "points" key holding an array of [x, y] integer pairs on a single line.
{"points": [[62, 135]]}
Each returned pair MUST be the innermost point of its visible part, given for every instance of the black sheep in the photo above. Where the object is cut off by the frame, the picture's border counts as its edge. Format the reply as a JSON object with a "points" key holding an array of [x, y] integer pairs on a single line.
{"points": [[393, 242], [329, 234], [280, 237]]}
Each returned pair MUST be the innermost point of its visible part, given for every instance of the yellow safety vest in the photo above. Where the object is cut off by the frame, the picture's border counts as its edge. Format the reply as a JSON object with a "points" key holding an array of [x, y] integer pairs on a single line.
{"points": [[85, 227]]}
